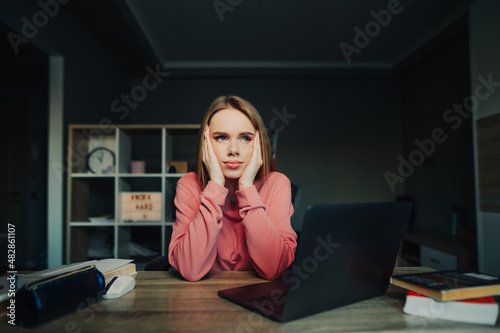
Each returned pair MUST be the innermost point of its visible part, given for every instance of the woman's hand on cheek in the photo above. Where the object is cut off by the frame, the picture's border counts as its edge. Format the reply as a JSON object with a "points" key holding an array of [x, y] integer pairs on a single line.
{"points": [[211, 162], [250, 172]]}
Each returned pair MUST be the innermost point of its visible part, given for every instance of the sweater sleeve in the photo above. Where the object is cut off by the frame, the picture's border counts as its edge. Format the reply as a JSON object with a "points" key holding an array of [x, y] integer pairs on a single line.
{"points": [[271, 241], [192, 250]]}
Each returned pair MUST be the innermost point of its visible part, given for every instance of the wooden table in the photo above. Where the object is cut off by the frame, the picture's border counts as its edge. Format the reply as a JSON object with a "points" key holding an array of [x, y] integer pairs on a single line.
{"points": [[164, 302]]}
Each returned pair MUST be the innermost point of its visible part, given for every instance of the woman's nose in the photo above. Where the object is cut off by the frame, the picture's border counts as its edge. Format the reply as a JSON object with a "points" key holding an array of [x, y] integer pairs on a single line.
{"points": [[233, 148]]}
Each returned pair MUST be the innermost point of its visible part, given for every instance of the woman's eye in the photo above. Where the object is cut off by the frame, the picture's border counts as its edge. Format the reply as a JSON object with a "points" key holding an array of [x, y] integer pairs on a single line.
{"points": [[246, 138], [221, 138]]}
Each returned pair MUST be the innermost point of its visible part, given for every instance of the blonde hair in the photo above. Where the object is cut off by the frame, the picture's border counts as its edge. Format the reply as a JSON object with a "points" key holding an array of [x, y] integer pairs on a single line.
{"points": [[240, 104]]}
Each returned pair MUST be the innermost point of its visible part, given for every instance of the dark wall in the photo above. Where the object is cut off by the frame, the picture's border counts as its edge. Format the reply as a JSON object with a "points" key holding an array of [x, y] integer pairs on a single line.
{"points": [[23, 180], [337, 139], [433, 86]]}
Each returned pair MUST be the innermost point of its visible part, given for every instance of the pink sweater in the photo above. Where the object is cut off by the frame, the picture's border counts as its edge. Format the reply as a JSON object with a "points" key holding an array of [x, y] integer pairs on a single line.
{"points": [[213, 233]]}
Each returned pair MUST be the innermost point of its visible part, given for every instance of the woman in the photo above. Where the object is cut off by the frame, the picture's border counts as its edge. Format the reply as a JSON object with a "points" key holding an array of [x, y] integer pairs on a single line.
{"points": [[233, 212]]}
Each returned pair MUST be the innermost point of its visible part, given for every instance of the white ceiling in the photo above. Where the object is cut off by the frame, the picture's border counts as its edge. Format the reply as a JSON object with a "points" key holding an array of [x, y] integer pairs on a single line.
{"points": [[247, 36]]}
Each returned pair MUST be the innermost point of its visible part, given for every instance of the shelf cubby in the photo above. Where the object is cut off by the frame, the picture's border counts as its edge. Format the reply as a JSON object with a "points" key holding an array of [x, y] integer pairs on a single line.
{"points": [[92, 242], [141, 243], [92, 197], [140, 144]]}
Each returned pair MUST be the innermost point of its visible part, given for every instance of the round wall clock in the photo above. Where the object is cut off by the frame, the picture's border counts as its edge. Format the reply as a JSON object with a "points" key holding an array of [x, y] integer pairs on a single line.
{"points": [[101, 160]]}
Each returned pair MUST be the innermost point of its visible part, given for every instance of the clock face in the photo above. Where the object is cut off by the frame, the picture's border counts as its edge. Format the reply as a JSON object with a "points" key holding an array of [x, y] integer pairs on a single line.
{"points": [[101, 160]]}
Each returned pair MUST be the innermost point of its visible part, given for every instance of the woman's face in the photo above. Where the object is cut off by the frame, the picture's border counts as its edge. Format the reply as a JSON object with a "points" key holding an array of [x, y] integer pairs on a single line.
{"points": [[232, 135]]}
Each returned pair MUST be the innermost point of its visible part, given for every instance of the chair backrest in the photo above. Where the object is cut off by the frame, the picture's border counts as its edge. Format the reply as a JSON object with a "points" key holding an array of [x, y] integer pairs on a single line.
{"points": [[296, 191], [273, 137]]}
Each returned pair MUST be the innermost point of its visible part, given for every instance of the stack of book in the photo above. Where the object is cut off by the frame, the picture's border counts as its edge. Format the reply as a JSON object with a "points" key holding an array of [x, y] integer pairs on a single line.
{"points": [[451, 295]]}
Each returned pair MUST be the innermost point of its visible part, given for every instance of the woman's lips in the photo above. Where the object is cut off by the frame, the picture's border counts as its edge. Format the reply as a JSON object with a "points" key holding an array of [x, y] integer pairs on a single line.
{"points": [[233, 164]]}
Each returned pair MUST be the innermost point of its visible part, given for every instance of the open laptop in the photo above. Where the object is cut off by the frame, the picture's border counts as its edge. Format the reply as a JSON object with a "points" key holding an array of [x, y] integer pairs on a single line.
{"points": [[346, 254]]}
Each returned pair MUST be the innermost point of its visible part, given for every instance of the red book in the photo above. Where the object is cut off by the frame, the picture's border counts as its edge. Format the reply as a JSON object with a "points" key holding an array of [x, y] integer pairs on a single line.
{"points": [[482, 310]]}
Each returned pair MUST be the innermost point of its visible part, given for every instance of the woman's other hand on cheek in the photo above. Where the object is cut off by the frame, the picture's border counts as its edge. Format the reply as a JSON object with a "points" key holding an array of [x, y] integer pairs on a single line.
{"points": [[248, 177], [211, 162]]}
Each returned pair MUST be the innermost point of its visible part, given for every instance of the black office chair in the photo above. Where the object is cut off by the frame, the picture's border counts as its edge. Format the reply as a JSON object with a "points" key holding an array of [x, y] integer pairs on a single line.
{"points": [[296, 191], [273, 138], [160, 263]]}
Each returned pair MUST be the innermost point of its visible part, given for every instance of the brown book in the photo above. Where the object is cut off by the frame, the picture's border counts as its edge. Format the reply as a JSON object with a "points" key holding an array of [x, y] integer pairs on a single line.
{"points": [[112, 266], [125, 269], [449, 285]]}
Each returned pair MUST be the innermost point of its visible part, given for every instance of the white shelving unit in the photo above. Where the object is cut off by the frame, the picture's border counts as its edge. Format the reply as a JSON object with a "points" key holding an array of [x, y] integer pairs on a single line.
{"points": [[90, 195]]}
